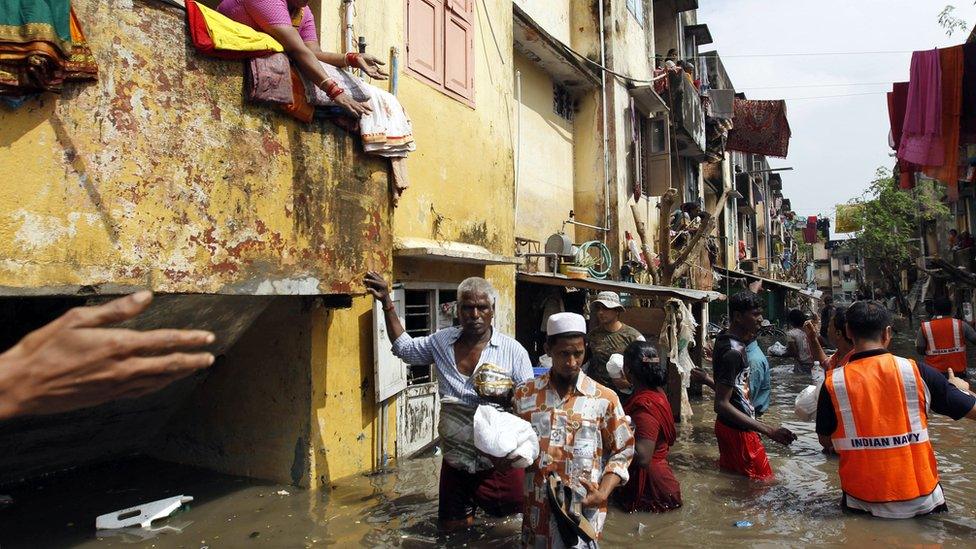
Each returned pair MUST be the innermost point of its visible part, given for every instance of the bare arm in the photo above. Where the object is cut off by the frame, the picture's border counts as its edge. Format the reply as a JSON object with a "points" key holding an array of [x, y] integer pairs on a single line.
{"points": [[969, 332], [791, 349], [920, 342], [701, 376], [813, 336], [308, 64], [74, 362], [645, 450], [731, 415]]}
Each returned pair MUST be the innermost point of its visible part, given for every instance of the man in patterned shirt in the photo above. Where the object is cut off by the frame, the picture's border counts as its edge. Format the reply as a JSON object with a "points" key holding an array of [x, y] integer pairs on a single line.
{"points": [[584, 436]]}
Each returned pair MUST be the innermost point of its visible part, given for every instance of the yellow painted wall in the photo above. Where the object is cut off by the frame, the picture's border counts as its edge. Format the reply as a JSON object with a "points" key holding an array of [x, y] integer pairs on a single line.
{"points": [[461, 189], [345, 417], [546, 178], [160, 176]]}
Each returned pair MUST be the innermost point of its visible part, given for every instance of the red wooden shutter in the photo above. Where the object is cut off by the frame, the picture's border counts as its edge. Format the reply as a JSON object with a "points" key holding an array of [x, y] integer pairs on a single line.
{"points": [[425, 46], [458, 56]]}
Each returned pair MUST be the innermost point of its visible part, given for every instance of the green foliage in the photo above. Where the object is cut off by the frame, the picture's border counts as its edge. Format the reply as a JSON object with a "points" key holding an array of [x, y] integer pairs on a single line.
{"points": [[951, 23], [890, 219]]}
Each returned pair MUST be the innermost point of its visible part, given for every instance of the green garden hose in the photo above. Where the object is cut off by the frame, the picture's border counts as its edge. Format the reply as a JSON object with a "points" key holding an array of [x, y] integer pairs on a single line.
{"points": [[584, 251]]}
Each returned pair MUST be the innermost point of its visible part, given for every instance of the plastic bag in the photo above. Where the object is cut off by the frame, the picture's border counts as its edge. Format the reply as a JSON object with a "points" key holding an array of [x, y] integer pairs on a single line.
{"points": [[776, 349], [501, 434], [806, 403]]}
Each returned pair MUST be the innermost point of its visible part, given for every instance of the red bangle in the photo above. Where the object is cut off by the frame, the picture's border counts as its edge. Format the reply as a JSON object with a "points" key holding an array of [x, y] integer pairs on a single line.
{"points": [[351, 58], [333, 89]]}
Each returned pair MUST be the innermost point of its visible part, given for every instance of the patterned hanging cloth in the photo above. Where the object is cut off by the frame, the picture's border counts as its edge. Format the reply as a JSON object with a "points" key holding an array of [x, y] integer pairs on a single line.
{"points": [[41, 47], [760, 127]]}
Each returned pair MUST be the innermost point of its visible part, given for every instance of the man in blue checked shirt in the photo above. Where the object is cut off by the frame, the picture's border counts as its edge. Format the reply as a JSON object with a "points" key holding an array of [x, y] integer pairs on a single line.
{"points": [[469, 479]]}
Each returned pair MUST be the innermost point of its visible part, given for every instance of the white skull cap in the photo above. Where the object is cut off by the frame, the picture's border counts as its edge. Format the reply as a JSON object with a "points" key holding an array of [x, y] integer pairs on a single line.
{"points": [[565, 323]]}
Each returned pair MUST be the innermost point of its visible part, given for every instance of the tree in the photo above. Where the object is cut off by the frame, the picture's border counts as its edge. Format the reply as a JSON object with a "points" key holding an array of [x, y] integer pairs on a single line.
{"points": [[891, 221], [949, 21]]}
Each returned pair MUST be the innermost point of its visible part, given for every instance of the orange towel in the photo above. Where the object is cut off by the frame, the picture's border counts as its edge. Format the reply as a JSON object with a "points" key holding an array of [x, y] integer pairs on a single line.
{"points": [[951, 60]]}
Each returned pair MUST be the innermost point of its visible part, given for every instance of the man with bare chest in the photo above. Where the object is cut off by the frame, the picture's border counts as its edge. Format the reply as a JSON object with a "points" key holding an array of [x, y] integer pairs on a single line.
{"points": [[469, 479]]}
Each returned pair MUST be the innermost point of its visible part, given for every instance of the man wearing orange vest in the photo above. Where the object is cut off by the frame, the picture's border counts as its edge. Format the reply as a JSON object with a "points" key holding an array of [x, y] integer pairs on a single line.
{"points": [[874, 414], [943, 339]]}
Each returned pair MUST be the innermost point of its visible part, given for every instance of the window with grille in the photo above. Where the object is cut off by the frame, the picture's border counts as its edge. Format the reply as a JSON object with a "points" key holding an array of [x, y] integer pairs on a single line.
{"points": [[427, 310], [563, 103]]}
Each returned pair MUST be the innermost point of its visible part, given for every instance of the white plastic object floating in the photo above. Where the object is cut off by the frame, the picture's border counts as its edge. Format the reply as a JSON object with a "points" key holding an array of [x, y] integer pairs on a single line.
{"points": [[141, 515]]}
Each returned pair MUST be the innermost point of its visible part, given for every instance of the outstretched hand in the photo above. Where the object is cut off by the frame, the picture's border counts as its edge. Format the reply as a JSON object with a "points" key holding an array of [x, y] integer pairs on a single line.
{"points": [[783, 436], [371, 66], [811, 328], [376, 286], [958, 383], [346, 101], [74, 362]]}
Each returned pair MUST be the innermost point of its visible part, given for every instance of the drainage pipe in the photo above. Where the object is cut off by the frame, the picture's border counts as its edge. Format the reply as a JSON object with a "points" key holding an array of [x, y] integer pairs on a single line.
{"points": [[605, 121]]}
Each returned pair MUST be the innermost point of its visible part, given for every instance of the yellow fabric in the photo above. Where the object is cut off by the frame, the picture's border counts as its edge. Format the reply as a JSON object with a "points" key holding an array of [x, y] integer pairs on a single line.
{"points": [[230, 35]]}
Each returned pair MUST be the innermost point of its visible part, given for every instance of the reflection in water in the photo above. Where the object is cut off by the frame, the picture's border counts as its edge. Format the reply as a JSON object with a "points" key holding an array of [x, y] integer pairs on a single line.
{"points": [[801, 507]]}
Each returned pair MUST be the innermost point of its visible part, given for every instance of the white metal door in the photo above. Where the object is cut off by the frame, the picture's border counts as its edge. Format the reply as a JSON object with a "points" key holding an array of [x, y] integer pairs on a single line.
{"points": [[390, 372]]}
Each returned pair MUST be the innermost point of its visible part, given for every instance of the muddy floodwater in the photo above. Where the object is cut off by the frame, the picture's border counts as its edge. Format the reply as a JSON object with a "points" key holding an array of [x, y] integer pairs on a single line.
{"points": [[800, 508]]}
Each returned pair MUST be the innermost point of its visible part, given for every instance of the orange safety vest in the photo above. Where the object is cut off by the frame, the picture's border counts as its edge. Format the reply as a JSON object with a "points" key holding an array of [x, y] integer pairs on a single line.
{"points": [[882, 430], [944, 345]]}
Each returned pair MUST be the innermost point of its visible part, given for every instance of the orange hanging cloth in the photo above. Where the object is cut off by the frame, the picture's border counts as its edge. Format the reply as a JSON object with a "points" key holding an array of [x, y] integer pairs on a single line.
{"points": [[300, 108], [951, 60]]}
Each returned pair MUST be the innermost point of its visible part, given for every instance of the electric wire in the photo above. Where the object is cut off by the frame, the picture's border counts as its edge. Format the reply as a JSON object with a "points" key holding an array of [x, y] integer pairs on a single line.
{"points": [[791, 86], [802, 54], [832, 96]]}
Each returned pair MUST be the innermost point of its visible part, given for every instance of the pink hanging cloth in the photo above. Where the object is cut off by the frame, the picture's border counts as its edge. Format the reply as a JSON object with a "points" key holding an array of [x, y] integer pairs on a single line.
{"points": [[921, 140]]}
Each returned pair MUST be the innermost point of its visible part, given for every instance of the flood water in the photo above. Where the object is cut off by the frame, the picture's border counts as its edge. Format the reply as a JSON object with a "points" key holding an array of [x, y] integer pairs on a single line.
{"points": [[800, 508]]}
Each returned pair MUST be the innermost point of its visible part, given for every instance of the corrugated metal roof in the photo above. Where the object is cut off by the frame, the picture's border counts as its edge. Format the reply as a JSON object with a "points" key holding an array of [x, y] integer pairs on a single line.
{"points": [[684, 294]]}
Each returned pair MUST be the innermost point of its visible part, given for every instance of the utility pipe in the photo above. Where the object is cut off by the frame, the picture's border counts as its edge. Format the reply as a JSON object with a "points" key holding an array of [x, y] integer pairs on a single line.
{"points": [[605, 122], [347, 29], [518, 144]]}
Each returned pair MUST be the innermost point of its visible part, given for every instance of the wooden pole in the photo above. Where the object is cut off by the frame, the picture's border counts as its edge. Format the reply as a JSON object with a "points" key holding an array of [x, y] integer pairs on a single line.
{"points": [[645, 246], [680, 265], [664, 235]]}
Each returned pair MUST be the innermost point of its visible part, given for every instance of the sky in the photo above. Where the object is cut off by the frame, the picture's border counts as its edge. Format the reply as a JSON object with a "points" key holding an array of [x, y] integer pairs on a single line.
{"points": [[838, 142]]}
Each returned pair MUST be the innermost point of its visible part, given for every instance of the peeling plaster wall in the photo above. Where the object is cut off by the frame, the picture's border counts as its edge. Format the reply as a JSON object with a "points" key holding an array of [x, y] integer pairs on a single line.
{"points": [[345, 419], [160, 176]]}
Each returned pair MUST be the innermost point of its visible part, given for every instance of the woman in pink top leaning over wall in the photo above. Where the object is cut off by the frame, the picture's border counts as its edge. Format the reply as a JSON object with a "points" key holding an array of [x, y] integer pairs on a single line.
{"points": [[290, 22]]}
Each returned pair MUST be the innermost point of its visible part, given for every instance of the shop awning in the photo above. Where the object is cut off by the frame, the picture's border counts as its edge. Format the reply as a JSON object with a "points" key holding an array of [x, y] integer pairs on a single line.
{"points": [[792, 286], [454, 252], [639, 290]]}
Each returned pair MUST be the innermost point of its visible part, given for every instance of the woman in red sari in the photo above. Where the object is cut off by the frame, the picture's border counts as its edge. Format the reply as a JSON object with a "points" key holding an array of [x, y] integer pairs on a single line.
{"points": [[652, 486]]}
